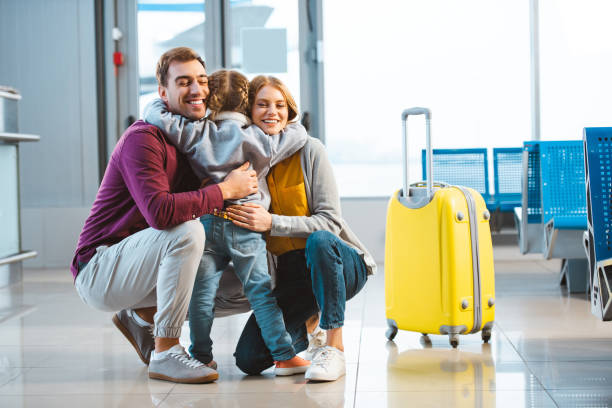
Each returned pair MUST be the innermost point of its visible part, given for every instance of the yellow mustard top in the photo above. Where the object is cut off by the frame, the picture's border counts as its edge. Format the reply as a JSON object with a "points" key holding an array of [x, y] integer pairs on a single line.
{"points": [[288, 197]]}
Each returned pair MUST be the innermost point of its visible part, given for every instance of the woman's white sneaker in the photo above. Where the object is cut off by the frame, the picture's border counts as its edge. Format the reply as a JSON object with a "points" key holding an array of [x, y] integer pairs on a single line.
{"points": [[316, 340], [328, 364]]}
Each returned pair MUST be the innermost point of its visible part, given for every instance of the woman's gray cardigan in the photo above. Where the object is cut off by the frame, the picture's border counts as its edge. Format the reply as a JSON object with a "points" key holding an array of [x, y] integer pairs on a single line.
{"points": [[324, 205]]}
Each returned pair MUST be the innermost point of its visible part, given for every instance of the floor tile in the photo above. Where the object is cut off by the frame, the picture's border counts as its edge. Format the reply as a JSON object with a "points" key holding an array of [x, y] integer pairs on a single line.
{"points": [[14, 311], [80, 400], [56, 351], [582, 375], [510, 278], [233, 381], [22, 356], [376, 347], [467, 398], [561, 316], [438, 369], [570, 349], [8, 373], [127, 379], [301, 399], [108, 355], [582, 398]]}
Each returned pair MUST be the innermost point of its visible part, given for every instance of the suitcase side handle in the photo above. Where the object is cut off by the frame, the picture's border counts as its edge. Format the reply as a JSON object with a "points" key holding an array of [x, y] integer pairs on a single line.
{"points": [[429, 171]]}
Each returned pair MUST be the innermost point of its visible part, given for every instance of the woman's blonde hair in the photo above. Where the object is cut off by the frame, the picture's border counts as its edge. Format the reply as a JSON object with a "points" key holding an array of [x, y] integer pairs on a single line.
{"points": [[262, 80], [229, 91]]}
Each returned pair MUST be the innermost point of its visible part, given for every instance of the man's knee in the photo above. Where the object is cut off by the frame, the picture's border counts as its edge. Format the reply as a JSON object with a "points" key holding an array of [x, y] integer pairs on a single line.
{"points": [[186, 247], [190, 233], [192, 228]]}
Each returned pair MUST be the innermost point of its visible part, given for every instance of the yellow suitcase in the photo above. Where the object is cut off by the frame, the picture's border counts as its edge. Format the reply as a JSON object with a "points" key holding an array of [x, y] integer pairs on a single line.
{"points": [[439, 276]]}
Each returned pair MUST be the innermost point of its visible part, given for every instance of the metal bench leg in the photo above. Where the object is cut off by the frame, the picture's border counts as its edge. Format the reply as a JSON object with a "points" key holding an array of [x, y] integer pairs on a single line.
{"points": [[575, 274], [496, 221], [601, 302], [563, 273]]}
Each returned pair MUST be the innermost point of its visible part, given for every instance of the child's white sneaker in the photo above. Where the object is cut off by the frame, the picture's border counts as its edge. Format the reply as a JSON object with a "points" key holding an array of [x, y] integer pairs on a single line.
{"points": [[328, 364], [316, 340]]}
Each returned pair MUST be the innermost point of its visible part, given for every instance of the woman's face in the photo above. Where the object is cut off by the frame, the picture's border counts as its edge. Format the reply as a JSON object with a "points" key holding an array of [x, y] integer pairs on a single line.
{"points": [[270, 110]]}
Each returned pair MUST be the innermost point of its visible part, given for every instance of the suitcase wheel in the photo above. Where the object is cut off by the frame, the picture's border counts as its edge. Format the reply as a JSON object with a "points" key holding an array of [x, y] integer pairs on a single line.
{"points": [[425, 341], [453, 339], [486, 335], [391, 331]]}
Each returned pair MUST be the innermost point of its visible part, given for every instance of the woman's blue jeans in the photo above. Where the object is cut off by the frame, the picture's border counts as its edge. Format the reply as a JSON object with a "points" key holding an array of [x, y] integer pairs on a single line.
{"points": [[332, 270]]}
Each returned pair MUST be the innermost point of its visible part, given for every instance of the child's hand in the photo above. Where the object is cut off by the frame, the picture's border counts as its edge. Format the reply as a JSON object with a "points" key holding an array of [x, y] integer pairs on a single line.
{"points": [[240, 183]]}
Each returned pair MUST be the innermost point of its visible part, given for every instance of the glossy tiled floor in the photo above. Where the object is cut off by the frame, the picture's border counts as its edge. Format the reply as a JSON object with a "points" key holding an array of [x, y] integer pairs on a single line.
{"points": [[547, 350]]}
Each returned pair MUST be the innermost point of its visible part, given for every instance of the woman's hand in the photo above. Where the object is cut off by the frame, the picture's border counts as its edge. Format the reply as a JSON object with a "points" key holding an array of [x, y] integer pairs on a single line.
{"points": [[250, 216]]}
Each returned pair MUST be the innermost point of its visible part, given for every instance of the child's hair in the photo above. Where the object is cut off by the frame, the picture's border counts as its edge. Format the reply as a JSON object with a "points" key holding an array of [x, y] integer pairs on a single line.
{"points": [[229, 91]]}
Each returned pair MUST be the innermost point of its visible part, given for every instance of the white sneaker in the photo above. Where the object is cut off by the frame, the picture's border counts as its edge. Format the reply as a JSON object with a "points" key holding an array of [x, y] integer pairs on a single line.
{"points": [[316, 340], [328, 365], [177, 366]]}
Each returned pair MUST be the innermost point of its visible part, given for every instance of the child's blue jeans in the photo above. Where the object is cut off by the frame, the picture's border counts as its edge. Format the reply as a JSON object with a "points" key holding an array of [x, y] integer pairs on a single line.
{"points": [[322, 277], [247, 250]]}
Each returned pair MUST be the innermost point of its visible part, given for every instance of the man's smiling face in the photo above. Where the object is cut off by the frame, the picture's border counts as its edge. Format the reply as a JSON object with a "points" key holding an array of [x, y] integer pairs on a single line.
{"points": [[186, 90]]}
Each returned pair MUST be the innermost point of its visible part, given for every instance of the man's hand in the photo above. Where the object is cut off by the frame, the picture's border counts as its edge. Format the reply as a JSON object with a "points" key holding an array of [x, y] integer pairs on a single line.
{"points": [[241, 182]]}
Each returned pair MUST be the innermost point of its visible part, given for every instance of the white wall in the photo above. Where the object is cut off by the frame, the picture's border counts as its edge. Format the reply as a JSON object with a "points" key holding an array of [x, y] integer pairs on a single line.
{"points": [[53, 233], [367, 218]]}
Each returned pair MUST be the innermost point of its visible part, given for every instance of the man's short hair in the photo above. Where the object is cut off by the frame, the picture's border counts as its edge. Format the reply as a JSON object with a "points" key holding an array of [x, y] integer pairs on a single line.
{"points": [[181, 54]]}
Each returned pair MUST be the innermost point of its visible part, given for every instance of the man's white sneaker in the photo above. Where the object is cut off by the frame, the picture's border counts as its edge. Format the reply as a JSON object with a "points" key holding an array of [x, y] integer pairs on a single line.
{"points": [[316, 340], [328, 364], [177, 366]]}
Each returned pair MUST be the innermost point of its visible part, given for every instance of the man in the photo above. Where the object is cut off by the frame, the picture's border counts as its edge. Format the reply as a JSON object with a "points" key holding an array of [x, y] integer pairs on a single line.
{"points": [[141, 244]]}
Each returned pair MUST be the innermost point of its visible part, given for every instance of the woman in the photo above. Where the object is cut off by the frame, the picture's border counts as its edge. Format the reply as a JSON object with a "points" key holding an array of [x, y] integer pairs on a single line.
{"points": [[320, 263]]}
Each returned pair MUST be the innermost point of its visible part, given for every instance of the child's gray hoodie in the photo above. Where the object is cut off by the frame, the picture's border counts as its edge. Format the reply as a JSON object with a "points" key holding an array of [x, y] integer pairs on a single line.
{"points": [[214, 149]]}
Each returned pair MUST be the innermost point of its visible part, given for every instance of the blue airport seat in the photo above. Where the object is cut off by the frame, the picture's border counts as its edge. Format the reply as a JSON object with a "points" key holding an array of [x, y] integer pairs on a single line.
{"points": [[534, 183], [598, 237], [461, 167], [564, 209], [507, 167], [528, 217], [542, 189], [599, 170], [563, 184]]}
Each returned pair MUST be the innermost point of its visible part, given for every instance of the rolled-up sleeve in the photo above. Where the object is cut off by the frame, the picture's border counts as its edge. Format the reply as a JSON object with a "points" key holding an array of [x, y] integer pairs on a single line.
{"points": [[142, 167]]}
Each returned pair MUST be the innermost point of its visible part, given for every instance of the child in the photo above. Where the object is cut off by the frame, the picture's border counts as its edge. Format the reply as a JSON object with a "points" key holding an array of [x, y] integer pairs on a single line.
{"points": [[213, 150]]}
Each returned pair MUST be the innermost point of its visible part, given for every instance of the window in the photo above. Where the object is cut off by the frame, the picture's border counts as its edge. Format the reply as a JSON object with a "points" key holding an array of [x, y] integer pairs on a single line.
{"points": [[162, 26], [264, 39], [575, 67], [469, 62]]}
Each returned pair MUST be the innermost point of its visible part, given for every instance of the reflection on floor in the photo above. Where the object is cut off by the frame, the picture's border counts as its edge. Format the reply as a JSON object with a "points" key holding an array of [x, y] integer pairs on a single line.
{"points": [[547, 350]]}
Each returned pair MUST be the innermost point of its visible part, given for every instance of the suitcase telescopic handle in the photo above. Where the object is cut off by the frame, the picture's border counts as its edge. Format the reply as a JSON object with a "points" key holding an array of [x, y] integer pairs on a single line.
{"points": [[429, 172]]}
